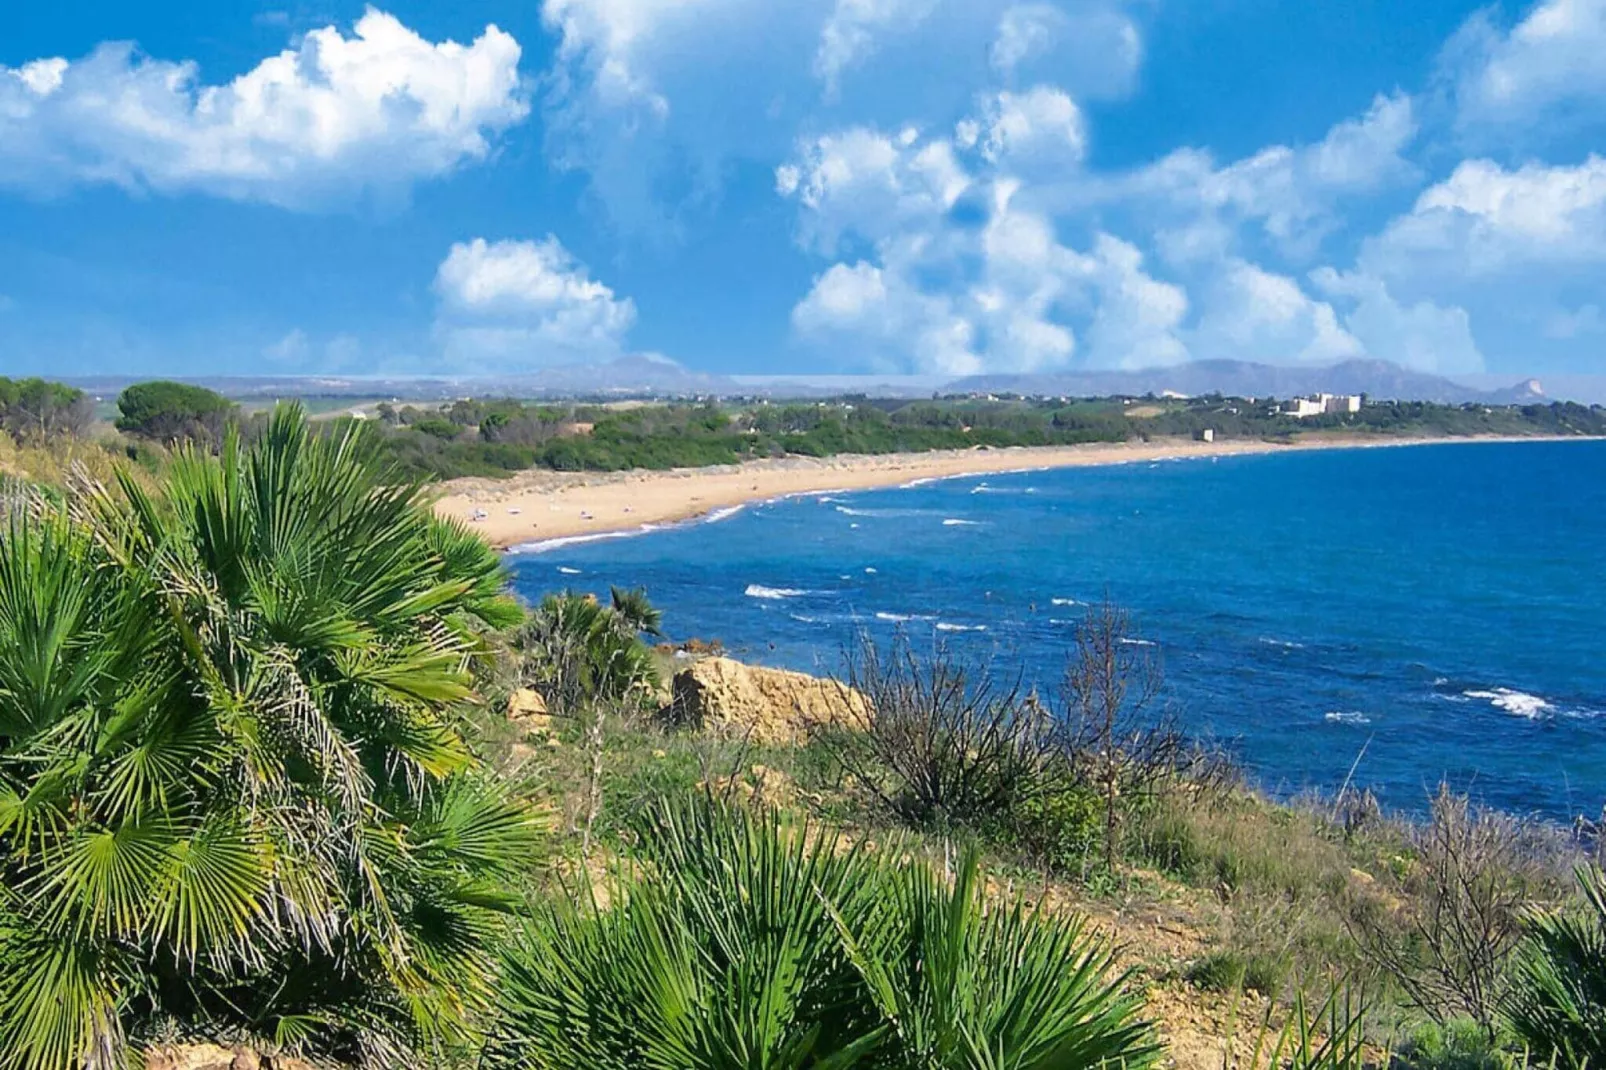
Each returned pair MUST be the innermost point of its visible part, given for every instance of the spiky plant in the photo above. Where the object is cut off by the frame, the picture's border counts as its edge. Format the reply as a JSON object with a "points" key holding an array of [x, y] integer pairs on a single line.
{"points": [[580, 651], [743, 942], [232, 791], [1557, 1002]]}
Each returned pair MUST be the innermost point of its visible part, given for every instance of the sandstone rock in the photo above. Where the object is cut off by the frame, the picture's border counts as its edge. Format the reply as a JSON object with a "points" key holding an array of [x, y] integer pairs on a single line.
{"points": [[527, 709], [769, 706], [214, 1057]]}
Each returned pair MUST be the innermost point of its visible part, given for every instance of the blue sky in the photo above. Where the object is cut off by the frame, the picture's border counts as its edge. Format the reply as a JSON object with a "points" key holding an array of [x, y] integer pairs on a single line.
{"points": [[803, 186]]}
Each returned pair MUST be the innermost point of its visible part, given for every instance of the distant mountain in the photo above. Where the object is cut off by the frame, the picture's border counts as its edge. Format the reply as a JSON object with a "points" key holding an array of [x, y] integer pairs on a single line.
{"points": [[1375, 378], [651, 376]]}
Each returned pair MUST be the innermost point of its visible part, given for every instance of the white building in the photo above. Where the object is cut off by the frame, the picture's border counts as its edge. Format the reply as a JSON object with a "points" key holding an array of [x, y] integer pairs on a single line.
{"points": [[1322, 404]]}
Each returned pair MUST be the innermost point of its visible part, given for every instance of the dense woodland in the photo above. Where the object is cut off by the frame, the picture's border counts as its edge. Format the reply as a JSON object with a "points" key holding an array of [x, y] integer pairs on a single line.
{"points": [[284, 768]]}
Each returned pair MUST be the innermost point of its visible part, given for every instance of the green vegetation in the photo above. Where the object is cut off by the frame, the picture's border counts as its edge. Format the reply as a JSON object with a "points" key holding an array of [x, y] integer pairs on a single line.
{"points": [[493, 438], [753, 944], [169, 412], [261, 781], [39, 410], [232, 793]]}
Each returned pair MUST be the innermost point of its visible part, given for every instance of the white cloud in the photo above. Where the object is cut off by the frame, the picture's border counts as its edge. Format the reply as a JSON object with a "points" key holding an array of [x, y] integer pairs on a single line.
{"points": [[639, 94], [330, 119], [1420, 335], [864, 182], [1138, 316], [1038, 130], [1291, 193], [1485, 220], [1548, 66], [518, 305], [1025, 31], [849, 35], [1249, 313]]}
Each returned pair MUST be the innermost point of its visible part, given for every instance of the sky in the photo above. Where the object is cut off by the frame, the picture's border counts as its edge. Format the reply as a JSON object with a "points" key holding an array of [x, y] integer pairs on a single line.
{"points": [[932, 187]]}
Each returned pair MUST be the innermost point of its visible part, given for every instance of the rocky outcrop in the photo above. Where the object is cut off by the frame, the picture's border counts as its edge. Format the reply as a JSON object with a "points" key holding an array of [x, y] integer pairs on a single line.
{"points": [[527, 709], [768, 706], [214, 1057]]}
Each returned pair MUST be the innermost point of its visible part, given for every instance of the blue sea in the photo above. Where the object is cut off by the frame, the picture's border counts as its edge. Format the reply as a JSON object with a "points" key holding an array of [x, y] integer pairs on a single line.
{"points": [[1436, 611]]}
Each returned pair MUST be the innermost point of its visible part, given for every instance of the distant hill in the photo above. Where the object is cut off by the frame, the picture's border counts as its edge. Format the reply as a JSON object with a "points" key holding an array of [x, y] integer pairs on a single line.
{"points": [[1375, 378], [649, 376]]}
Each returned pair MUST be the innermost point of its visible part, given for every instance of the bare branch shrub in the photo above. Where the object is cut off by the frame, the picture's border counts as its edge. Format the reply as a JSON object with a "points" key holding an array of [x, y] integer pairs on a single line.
{"points": [[1116, 739], [948, 745], [1473, 874]]}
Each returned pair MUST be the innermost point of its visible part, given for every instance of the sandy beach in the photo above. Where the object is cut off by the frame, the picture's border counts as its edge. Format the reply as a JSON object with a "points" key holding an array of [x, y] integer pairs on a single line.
{"points": [[536, 506]]}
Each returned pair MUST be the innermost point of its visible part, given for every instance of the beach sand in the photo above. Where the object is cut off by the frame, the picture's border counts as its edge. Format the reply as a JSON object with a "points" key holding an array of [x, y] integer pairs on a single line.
{"points": [[538, 505]]}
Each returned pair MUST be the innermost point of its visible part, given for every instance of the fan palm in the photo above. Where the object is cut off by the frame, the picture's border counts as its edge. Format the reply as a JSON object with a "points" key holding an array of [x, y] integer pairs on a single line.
{"points": [[232, 792], [1558, 1001], [581, 651], [741, 943]]}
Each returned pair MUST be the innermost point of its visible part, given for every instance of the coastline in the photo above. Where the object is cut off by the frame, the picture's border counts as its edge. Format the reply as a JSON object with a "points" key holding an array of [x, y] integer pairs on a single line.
{"points": [[541, 506]]}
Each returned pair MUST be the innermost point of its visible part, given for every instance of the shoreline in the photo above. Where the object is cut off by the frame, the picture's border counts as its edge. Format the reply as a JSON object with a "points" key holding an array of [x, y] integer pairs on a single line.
{"points": [[542, 509]]}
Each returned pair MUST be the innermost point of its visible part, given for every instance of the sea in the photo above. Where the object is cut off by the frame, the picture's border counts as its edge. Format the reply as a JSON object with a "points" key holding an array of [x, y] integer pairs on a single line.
{"points": [[1391, 617]]}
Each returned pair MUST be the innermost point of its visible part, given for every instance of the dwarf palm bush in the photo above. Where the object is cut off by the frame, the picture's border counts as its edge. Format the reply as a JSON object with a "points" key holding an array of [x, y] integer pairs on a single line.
{"points": [[1558, 1001], [741, 943], [232, 793]]}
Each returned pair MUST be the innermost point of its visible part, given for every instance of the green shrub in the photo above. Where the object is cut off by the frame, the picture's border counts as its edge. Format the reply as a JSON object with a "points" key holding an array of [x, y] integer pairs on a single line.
{"points": [[1557, 1003], [739, 943], [1461, 1044], [1228, 971]]}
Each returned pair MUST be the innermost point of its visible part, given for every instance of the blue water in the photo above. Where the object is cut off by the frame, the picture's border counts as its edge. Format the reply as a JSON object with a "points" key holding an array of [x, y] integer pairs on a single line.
{"points": [[1440, 606]]}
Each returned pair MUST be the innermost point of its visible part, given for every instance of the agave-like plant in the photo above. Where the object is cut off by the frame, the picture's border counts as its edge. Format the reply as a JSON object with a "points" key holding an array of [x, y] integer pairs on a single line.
{"points": [[1557, 1002], [232, 791], [740, 941]]}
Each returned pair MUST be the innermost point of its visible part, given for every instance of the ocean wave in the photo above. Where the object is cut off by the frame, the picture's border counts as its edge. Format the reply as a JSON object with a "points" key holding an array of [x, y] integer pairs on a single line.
{"points": [[953, 522], [1065, 602], [945, 626], [758, 590], [1137, 642], [1512, 701], [544, 545], [902, 618], [869, 571], [845, 511], [803, 618], [1286, 644], [1346, 717], [918, 482], [723, 514], [568, 571]]}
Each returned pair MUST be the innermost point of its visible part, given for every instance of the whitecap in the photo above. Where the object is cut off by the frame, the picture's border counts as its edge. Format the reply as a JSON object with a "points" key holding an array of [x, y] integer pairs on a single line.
{"points": [[1286, 644], [758, 590], [1512, 701], [723, 514], [568, 571], [1346, 717], [870, 571], [803, 619], [845, 511], [1065, 602], [1137, 642], [544, 545], [951, 522], [945, 626], [901, 618]]}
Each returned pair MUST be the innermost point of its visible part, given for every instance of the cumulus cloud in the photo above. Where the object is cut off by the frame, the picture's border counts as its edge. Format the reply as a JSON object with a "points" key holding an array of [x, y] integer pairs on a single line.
{"points": [[639, 92], [849, 35], [333, 118], [1290, 193], [1485, 220], [513, 306], [1250, 313], [1545, 68], [1421, 335]]}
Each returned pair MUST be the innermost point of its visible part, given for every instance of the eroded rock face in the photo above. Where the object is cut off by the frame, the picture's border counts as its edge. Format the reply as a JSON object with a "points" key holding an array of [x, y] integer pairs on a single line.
{"points": [[215, 1057], [769, 706], [527, 709]]}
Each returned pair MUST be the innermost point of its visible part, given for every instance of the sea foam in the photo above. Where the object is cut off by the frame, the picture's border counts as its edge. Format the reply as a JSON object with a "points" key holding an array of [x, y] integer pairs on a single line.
{"points": [[758, 590], [1518, 702]]}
